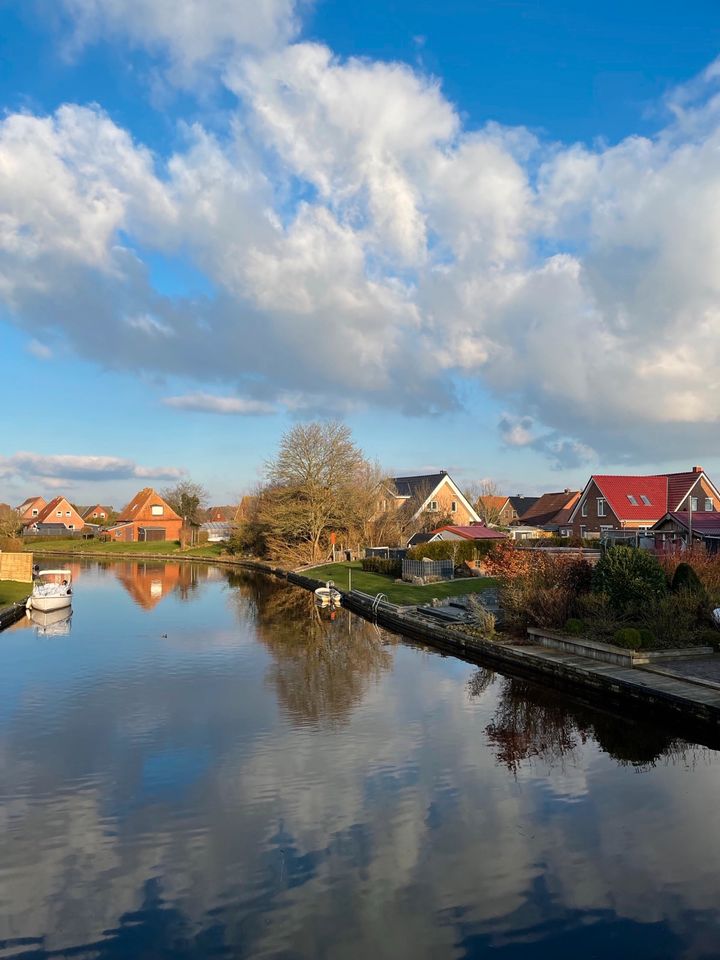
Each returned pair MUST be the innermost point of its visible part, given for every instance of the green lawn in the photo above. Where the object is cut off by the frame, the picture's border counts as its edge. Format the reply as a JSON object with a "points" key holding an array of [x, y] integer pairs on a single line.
{"points": [[402, 593], [58, 545], [11, 590]]}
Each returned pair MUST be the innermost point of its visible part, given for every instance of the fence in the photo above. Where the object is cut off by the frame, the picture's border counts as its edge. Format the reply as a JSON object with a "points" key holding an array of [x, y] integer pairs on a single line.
{"points": [[387, 553], [428, 568]]}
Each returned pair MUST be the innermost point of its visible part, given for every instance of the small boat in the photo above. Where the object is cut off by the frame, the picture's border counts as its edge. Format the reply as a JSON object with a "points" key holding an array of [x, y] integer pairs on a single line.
{"points": [[328, 595], [52, 590]]}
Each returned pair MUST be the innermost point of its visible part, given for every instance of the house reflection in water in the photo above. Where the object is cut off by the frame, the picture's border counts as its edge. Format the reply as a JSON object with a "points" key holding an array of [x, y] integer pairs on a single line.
{"points": [[148, 582]]}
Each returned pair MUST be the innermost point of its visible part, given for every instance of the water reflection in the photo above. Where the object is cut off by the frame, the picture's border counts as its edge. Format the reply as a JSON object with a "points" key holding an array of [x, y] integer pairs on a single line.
{"points": [[321, 671], [279, 785], [53, 623]]}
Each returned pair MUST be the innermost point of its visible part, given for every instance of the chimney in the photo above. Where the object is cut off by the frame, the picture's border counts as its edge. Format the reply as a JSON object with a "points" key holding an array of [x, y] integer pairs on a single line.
{"points": [[697, 470]]}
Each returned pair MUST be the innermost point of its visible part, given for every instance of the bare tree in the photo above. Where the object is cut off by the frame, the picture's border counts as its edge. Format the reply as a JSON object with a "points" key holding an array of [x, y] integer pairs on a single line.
{"points": [[187, 499], [10, 522], [312, 490], [486, 502]]}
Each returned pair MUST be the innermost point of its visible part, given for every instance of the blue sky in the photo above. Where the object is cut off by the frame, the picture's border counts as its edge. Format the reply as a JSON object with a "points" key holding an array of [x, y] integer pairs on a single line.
{"points": [[483, 233]]}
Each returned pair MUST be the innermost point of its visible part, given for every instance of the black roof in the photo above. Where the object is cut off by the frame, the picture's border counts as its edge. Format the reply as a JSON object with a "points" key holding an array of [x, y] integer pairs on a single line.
{"points": [[521, 504], [414, 486], [417, 538]]}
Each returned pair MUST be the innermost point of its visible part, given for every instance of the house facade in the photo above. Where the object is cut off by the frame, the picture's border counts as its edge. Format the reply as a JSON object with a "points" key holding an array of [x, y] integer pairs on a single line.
{"points": [[611, 502], [146, 517], [97, 514], [29, 509], [497, 510], [57, 517], [427, 493], [678, 529]]}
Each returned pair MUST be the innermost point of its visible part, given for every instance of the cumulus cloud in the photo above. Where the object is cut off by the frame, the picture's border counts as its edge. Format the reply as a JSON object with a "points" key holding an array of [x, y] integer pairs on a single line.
{"points": [[56, 468], [210, 403], [186, 32], [364, 248]]}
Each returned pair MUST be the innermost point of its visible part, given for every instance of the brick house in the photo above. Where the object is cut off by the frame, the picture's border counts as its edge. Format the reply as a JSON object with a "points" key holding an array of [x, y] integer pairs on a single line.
{"points": [[146, 517], [97, 514], [29, 509], [551, 512], [638, 502], [427, 493], [58, 516]]}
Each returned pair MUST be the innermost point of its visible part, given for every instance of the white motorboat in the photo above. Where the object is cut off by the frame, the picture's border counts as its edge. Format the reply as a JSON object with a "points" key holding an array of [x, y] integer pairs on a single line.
{"points": [[328, 595], [54, 623], [52, 590]]}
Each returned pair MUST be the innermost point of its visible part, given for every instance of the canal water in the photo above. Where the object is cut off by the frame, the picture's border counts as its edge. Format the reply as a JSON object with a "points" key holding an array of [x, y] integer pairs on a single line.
{"points": [[201, 764]]}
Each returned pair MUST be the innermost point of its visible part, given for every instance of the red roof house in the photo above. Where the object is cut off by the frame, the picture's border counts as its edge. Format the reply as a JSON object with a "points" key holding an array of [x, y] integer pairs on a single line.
{"points": [[58, 516], [146, 517], [550, 511], [611, 502], [475, 531], [29, 509], [97, 514]]}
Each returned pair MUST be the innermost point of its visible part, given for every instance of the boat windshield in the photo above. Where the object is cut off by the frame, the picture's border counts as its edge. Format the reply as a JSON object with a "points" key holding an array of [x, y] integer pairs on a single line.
{"points": [[54, 576]]}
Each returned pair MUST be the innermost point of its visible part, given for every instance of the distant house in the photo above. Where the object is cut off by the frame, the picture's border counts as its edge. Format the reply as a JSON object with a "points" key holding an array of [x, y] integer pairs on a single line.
{"points": [[676, 529], [475, 531], [427, 493], [146, 517], [57, 517], [551, 512], [611, 502], [502, 511], [97, 514], [220, 514], [29, 509]]}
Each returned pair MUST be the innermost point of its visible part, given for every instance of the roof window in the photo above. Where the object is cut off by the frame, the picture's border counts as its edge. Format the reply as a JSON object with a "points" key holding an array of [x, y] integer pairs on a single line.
{"points": [[632, 499], [645, 500]]}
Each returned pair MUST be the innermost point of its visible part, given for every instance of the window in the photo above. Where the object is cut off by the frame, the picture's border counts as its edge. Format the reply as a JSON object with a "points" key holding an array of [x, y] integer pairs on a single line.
{"points": [[601, 506], [583, 531], [35, 511], [709, 505], [59, 513], [453, 506], [604, 529], [433, 506], [71, 526], [584, 508], [645, 500], [156, 510], [693, 503], [632, 499], [68, 513], [384, 505]]}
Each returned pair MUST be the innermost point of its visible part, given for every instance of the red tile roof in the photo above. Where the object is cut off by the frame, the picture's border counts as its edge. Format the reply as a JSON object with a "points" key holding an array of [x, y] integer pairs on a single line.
{"points": [[474, 532], [547, 507], [665, 491], [617, 490]]}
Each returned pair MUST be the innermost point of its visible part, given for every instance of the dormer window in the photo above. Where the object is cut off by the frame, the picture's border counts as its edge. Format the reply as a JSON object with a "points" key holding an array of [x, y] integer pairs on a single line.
{"points": [[632, 500], [645, 500]]}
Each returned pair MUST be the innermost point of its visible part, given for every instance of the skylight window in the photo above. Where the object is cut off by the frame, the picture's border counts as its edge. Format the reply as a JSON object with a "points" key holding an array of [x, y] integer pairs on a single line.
{"points": [[632, 499], [645, 500]]}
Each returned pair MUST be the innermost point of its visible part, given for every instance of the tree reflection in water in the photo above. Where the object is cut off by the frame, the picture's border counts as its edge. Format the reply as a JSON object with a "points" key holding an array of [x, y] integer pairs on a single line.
{"points": [[531, 721], [324, 661]]}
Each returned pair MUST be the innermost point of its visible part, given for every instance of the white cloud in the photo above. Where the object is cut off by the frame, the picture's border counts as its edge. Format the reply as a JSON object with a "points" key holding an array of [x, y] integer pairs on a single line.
{"points": [[210, 403], [55, 468], [39, 350], [364, 248], [187, 32]]}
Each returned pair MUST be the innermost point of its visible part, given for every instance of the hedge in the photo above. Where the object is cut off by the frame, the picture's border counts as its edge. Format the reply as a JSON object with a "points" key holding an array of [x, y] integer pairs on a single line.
{"points": [[457, 550], [390, 568]]}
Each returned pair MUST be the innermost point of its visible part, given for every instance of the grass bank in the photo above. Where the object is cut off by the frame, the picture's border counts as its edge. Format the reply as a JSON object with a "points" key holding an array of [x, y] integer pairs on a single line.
{"points": [[402, 593], [89, 547], [12, 591]]}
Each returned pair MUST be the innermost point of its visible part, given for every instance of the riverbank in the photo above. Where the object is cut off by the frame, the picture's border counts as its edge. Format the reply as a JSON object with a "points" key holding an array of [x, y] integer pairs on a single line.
{"points": [[13, 596], [694, 701]]}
